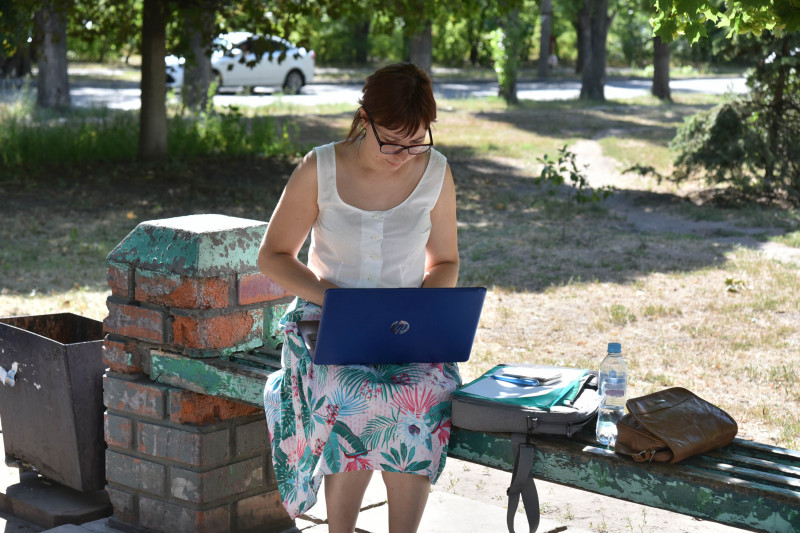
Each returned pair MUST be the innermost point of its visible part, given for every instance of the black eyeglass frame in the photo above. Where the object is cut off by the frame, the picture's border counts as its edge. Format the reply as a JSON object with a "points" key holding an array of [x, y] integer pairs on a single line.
{"points": [[400, 147]]}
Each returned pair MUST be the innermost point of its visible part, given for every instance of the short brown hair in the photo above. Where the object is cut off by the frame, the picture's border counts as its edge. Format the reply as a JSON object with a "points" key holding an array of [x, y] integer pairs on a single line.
{"points": [[398, 97]]}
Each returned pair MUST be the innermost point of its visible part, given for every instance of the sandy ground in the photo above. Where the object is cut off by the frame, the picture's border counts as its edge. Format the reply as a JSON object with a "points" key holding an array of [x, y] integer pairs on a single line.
{"points": [[575, 509], [572, 509]]}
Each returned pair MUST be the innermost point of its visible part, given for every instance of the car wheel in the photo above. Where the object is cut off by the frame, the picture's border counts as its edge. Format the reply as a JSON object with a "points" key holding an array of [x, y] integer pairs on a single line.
{"points": [[293, 83]]}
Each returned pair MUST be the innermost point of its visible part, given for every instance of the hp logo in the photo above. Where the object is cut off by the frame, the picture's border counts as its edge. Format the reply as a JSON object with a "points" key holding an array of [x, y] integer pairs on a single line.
{"points": [[400, 327]]}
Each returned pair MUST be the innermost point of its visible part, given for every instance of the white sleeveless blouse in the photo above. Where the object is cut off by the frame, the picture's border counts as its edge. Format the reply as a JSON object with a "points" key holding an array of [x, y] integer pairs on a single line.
{"points": [[353, 248]]}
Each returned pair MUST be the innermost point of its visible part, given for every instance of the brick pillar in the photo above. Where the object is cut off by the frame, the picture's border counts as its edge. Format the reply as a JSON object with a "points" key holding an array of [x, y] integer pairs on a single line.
{"points": [[179, 461]]}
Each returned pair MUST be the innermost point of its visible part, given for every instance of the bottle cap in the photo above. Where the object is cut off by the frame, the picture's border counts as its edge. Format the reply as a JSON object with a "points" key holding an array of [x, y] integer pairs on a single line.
{"points": [[614, 347]]}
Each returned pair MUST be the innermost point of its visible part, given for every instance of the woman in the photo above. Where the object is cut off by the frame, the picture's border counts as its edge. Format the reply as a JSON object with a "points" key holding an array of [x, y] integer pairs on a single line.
{"points": [[381, 209]]}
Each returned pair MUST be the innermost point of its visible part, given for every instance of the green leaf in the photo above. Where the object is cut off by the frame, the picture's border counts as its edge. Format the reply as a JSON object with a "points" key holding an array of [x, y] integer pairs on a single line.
{"points": [[331, 453], [347, 434], [417, 466], [397, 459], [666, 28]]}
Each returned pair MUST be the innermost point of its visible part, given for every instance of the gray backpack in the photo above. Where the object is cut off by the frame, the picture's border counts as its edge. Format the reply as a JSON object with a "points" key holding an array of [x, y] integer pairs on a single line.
{"points": [[488, 414]]}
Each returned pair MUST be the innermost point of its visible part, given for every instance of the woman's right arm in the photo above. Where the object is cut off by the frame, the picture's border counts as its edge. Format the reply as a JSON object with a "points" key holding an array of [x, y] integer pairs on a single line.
{"points": [[287, 231]]}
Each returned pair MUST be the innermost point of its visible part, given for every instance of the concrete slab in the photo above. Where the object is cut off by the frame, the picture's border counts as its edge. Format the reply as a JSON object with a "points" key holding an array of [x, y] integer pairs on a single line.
{"points": [[12, 524], [31, 498], [446, 513], [96, 526], [50, 504]]}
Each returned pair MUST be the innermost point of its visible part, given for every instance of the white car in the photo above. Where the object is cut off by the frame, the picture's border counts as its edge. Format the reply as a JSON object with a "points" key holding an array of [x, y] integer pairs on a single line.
{"points": [[235, 62]]}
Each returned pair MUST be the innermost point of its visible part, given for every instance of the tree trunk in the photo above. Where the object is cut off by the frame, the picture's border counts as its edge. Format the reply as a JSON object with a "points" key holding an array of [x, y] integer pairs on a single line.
{"points": [[51, 36], [511, 43], [421, 48], [546, 25], [197, 75], [582, 36], [361, 41], [776, 115], [594, 70], [661, 69], [153, 114]]}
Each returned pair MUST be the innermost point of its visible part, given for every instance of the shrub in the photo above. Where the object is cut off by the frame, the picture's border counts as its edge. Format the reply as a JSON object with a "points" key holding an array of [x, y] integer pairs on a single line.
{"points": [[750, 142]]}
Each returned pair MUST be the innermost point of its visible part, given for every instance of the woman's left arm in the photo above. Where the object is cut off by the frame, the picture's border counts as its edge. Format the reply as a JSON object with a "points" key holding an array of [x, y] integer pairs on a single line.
{"points": [[441, 252]]}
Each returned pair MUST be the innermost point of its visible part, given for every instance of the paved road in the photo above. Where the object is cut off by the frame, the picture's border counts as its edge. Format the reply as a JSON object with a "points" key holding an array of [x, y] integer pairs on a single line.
{"points": [[127, 97]]}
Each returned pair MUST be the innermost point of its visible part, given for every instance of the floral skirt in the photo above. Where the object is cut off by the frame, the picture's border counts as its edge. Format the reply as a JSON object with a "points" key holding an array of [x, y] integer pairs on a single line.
{"points": [[326, 419]]}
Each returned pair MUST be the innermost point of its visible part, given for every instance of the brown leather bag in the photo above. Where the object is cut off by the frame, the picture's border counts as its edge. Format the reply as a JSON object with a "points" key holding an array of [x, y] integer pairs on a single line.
{"points": [[671, 425]]}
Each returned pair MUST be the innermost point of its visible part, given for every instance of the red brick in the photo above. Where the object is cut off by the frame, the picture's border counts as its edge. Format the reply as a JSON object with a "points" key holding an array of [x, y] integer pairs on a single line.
{"points": [[213, 333], [181, 291], [124, 504], [188, 447], [119, 280], [256, 288], [186, 407], [136, 473], [118, 430], [155, 515], [218, 484], [134, 321], [263, 512], [122, 356], [143, 398]]}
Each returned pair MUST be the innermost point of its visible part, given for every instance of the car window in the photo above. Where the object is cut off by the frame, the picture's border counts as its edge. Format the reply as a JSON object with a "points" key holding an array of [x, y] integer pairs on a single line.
{"points": [[270, 45]]}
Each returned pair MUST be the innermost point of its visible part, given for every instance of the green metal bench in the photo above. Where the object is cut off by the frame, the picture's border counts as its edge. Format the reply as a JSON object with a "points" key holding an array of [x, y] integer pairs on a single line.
{"points": [[746, 484]]}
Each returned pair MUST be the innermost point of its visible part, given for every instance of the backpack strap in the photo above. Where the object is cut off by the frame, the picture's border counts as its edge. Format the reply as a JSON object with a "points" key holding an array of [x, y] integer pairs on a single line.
{"points": [[522, 483]]}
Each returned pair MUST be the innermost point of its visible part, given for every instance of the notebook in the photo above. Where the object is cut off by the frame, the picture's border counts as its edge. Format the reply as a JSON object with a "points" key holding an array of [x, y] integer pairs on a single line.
{"points": [[394, 325]]}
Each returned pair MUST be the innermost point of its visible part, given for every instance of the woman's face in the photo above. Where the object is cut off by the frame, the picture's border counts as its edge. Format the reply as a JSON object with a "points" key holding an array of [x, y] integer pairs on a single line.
{"points": [[377, 135]]}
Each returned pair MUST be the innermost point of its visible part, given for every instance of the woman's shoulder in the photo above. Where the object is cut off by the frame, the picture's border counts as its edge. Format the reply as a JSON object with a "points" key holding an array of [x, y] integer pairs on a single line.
{"points": [[305, 173]]}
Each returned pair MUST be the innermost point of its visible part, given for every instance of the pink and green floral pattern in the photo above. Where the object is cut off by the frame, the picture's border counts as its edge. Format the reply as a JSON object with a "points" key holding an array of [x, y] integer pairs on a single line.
{"points": [[325, 419]]}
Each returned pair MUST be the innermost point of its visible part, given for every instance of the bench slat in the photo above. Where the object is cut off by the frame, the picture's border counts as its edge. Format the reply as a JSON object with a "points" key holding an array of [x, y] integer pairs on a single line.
{"points": [[788, 469], [742, 472], [685, 489], [215, 377], [768, 449]]}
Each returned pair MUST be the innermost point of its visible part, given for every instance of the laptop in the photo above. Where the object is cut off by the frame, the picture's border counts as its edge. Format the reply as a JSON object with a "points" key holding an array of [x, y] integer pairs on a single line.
{"points": [[394, 325]]}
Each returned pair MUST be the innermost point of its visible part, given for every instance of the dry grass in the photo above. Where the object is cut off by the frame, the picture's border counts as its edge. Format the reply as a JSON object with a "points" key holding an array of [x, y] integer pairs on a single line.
{"points": [[706, 310]]}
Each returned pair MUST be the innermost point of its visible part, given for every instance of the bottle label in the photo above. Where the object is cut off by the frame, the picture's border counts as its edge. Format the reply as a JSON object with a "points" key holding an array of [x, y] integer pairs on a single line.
{"points": [[613, 386]]}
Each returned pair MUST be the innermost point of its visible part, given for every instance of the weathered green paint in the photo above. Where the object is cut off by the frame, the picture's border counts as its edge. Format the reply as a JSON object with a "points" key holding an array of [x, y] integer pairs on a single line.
{"points": [[194, 245], [685, 488], [214, 377], [272, 336], [726, 486]]}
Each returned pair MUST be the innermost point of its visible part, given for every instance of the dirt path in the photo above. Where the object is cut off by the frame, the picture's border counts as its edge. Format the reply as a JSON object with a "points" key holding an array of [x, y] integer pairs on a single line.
{"points": [[641, 207]]}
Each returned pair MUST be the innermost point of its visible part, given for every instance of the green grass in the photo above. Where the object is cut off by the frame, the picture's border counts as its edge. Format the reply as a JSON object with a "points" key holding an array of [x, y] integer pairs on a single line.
{"points": [[790, 239], [33, 138]]}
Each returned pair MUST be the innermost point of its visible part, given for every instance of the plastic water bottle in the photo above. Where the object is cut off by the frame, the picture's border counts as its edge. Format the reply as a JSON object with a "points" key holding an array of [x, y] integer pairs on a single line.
{"points": [[613, 392]]}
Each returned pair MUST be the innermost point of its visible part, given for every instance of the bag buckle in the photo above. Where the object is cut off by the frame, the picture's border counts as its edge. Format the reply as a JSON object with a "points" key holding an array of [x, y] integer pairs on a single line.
{"points": [[645, 455]]}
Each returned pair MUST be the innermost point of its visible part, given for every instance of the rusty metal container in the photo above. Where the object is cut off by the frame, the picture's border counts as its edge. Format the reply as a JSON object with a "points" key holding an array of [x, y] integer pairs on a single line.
{"points": [[52, 418]]}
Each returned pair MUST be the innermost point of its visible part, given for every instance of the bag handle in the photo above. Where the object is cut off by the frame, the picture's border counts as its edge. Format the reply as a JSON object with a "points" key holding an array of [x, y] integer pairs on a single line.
{"points": [[522, 483]]}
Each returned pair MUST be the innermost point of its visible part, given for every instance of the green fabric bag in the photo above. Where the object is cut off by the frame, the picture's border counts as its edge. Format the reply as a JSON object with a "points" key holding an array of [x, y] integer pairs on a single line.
{"points": [[507, 384]]}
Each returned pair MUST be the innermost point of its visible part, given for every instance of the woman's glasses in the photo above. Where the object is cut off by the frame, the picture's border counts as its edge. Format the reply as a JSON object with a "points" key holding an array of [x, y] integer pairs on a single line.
{"points": [[391, 148]]}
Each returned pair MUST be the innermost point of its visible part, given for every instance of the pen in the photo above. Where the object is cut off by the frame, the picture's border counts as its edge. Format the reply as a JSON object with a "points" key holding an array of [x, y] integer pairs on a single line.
{"points": [[525, 382]]}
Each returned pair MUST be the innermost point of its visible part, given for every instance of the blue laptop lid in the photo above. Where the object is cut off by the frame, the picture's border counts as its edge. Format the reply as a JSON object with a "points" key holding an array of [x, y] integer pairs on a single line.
{"points": [[398, 325]]}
